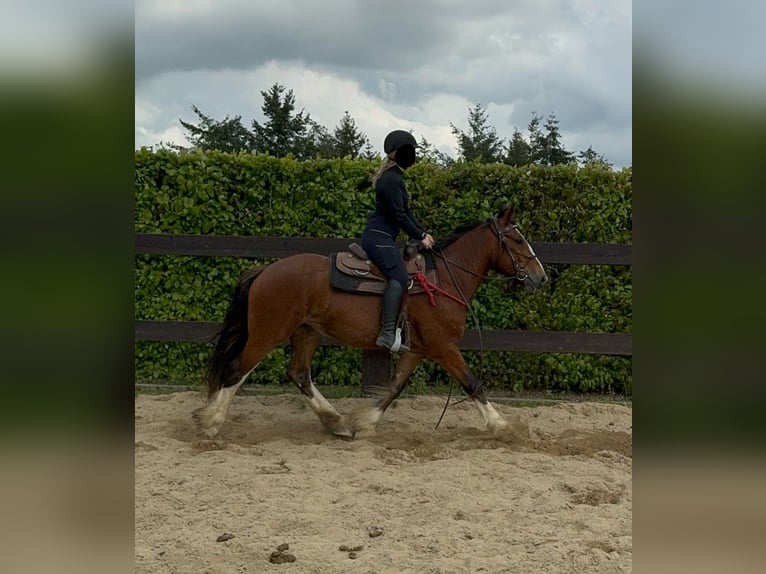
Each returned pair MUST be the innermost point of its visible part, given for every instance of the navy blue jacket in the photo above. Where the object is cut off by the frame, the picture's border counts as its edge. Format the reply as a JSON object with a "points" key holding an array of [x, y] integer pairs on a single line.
{"points": [[392, 207]]}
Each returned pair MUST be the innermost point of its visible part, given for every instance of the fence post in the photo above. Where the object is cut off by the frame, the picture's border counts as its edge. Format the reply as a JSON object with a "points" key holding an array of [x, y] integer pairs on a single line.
{"points": [[376, 370]]}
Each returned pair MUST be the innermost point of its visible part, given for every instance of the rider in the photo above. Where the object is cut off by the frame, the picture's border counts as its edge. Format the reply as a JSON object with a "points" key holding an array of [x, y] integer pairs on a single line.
{"points": [[392, 214]]}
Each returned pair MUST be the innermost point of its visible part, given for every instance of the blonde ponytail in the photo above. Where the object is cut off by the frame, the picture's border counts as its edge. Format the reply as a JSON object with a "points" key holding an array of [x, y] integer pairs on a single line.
{"points": [[387, 164]]}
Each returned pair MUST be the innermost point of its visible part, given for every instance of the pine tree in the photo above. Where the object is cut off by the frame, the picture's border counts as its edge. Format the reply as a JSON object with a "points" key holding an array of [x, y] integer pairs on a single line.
{"points": [[428, 152], [284, 132], [316, 143], [481, 142], [519, 152], [228, 135], [546, 147], [537, 144], [591, 157], [369, 152], [348, 141], [555, 153]]}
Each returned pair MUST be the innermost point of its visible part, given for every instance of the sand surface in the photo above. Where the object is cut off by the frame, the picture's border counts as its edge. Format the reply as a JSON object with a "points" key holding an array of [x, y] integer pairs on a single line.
{"points": [[553, 496]]}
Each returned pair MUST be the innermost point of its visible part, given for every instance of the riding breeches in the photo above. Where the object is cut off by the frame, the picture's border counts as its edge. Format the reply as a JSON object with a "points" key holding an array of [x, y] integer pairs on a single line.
{"points": [[386, 254]]}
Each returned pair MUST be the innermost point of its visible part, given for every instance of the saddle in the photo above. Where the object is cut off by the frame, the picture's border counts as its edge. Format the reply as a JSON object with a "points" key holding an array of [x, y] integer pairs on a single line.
{"points": [[353, 271]]}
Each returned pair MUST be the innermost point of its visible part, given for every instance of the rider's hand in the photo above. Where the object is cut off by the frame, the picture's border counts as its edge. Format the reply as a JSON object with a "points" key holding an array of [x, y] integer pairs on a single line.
{"points": [[427, 241]]}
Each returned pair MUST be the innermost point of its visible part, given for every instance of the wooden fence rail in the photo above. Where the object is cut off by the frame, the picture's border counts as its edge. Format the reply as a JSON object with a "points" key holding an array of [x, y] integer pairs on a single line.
{"points": [[377, 364], [473, 340], [248, 246]]}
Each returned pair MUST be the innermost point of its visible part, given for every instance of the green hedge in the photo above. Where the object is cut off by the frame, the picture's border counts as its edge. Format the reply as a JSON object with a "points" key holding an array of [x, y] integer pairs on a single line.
{"points": [[245, 194]]}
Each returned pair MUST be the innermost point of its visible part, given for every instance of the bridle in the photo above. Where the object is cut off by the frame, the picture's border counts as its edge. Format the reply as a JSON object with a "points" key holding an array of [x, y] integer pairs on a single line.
{"points": [[521, 271]]}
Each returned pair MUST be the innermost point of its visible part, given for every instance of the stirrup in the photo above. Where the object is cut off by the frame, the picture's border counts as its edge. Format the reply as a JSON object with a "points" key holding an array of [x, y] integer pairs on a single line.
{"points": [[397, 346]]}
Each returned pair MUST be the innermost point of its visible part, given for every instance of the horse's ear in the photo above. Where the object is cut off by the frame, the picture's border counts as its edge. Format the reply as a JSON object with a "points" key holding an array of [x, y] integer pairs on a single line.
{"points": [[509, 215]]}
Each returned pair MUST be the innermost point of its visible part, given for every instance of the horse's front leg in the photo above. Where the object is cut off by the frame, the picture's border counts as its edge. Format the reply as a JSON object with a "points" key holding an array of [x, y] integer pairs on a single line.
{"points": [[452, 360], [367, 416]]}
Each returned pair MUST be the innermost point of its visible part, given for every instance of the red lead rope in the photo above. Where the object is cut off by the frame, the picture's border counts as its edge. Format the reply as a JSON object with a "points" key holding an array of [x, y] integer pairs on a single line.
{"points": [[429, 287]]}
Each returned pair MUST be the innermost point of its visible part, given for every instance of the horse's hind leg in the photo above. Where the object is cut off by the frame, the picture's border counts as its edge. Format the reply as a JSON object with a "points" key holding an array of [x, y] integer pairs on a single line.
{"points": [[304, 342], [213, 414]]}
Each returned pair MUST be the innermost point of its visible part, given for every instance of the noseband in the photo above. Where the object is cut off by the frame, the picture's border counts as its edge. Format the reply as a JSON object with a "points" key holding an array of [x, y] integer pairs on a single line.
{"points": [[521, 271]]}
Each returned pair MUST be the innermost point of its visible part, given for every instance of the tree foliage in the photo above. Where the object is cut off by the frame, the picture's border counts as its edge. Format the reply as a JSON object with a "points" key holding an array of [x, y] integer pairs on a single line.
{"points": [[287, 131], [536, 139], [519, 152], [553, 151], [428, 152], [317, 143], [284, 132], [228, 135], [348, 141], [481, 143], [591, 157]]}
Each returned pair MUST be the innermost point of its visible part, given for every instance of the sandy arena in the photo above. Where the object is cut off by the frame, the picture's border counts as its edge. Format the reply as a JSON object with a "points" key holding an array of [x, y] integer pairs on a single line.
{"points": [[553, 496]]}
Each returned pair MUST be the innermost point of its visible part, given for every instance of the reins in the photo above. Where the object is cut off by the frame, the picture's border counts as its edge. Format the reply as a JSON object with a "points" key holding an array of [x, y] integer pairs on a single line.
{"points": [[521, 275], [447, 263]]}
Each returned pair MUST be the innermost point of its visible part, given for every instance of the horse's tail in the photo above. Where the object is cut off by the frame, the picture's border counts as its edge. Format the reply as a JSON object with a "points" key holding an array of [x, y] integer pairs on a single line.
{"points": [[223, 366]]}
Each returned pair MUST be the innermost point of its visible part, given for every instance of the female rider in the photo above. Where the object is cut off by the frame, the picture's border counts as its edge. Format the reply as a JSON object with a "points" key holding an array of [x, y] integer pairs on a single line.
{"points": [[392, 214]]}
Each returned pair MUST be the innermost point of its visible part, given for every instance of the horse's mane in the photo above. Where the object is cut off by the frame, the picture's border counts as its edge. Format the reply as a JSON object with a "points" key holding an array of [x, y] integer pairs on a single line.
{"points": [[459, 231], [456, 234]]}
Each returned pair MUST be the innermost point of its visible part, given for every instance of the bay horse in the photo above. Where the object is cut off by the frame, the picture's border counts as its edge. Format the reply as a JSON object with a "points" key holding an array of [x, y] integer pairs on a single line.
{"points": [[292, 299]]}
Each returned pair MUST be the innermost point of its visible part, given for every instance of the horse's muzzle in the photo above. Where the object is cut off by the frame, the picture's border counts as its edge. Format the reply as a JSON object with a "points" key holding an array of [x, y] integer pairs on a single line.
{"points": [[530, 282]]}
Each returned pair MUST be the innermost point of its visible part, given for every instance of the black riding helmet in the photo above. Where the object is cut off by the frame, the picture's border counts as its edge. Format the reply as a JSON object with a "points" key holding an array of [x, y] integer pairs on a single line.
{"points": [[397, 139], [403, 144]]}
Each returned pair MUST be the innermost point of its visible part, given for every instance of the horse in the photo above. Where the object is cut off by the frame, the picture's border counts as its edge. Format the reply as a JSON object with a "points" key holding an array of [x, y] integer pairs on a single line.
{"points": [[292, 299]]}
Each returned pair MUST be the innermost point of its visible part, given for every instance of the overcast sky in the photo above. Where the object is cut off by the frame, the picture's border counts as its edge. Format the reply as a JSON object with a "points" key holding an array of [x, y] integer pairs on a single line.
{"points": [[392, 64]]}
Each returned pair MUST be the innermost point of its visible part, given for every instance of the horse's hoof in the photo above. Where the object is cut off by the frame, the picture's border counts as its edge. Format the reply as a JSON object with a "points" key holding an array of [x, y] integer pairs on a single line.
{"points": [[363, 419], [211, 433], [205, 422], [343, 433], [513, 431], [334, 423], [499, 429]]}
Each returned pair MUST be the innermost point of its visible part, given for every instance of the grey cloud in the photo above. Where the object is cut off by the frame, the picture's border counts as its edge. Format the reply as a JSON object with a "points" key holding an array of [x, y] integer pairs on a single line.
{"points": [[402, 52], [395, 35], [346, 36]]}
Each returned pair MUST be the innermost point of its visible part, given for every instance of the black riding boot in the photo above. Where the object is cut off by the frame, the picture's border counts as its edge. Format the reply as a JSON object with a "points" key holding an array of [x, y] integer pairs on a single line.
{"points": [[392, 296]]}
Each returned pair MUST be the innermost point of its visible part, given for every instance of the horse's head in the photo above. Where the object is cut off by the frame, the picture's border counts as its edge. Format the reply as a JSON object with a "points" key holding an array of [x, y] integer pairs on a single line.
{"points": [[516, 258]]}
